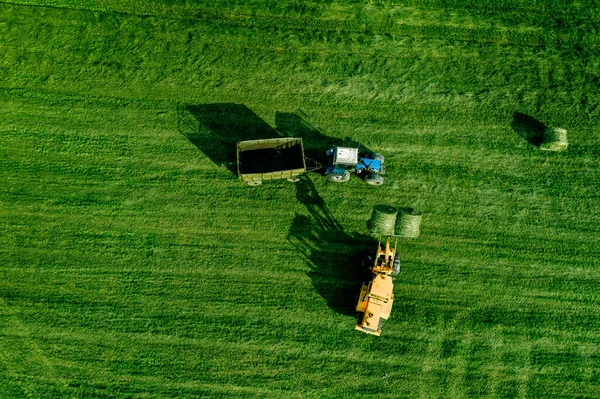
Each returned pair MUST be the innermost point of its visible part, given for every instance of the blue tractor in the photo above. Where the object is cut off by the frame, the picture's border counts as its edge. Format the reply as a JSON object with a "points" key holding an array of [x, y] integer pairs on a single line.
{"points": [[346, 160]]}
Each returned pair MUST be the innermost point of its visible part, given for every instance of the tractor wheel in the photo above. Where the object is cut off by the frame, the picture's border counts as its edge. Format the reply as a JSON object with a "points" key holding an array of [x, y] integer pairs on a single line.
{"points": [[359, 317], [374, 180], [379, 157], [254, 182], [396, 265], [339, 177], [293, 180]]}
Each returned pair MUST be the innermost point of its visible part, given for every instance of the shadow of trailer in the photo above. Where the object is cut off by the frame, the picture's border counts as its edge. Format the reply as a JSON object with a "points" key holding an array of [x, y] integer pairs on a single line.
{"points": [[272, 159]]}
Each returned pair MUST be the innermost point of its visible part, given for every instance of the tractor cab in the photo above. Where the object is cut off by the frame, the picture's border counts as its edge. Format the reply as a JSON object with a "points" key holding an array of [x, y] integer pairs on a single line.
{"points": [[342, 162], [344, 156], [375, 304]]}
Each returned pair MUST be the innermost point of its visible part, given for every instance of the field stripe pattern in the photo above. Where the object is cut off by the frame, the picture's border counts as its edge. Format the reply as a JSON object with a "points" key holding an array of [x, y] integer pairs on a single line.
{"points": [[135, 264]]}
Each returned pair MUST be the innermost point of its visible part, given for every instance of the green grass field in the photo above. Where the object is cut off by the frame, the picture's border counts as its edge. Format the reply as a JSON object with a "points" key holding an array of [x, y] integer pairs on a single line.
{"points": [[135, 264]]}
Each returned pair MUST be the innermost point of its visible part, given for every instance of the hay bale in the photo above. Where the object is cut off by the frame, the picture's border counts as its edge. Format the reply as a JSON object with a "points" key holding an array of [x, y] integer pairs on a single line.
{"points": [[383, 220], [554, 139], [408, 223]]}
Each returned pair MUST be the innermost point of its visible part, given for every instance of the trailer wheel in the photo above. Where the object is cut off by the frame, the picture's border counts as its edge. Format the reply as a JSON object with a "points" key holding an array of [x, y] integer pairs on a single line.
{"points": [[254, 182], [374, 180], [339, 178]]}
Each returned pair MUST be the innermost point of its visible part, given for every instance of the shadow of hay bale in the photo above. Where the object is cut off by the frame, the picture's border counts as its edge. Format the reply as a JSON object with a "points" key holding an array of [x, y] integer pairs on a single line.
{"points": [[529, 128]]}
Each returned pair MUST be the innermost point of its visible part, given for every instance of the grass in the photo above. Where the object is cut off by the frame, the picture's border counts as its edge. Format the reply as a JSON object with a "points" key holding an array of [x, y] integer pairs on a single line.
{"points": [[135, 264]]}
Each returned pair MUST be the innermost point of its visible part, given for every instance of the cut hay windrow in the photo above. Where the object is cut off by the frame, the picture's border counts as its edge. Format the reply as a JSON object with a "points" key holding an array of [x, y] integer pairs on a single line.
{"points": [[408, 223], [554, 139], [383, 220]]}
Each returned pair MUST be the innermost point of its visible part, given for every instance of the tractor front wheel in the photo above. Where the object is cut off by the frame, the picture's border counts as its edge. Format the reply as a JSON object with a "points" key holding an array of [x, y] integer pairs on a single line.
{"points": [[254, 182], [374, 180]]}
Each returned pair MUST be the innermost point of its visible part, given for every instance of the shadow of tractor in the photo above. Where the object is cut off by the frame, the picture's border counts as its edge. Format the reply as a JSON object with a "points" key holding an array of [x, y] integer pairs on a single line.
{"points": [[315, 143], [529, 128], [335, 257], [216, 128]]}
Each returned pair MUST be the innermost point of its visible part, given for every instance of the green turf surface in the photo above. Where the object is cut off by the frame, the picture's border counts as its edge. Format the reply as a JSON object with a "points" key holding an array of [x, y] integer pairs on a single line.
{"points": [[134, 264]]}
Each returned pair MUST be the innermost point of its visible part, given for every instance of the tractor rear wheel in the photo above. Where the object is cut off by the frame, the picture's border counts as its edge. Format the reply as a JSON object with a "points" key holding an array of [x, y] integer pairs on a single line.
{"points": [[339, 177], [374, 180]]}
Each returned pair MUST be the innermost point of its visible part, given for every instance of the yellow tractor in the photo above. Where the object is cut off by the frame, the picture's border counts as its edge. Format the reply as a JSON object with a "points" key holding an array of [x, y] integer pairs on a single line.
{"points": [[377, 296]]}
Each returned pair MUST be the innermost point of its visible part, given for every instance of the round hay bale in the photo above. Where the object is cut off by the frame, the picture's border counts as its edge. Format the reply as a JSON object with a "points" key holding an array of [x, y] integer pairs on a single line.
{"points": [[383, 220], [408, 223], [554, 139]]}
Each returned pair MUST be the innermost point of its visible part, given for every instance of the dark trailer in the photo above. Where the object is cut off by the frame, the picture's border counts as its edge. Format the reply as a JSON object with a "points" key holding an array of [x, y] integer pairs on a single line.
{"points": [[270, 159]]}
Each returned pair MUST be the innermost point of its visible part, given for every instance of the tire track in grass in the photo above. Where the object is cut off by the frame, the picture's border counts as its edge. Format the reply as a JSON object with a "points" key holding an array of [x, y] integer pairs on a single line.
{"points": [[496, 375], [564, 367], [524, 372], [399, 21], [590, 367], [451, 349], [95, 47], [437, 362], [464, 353], [462, 365], [22, 358]]}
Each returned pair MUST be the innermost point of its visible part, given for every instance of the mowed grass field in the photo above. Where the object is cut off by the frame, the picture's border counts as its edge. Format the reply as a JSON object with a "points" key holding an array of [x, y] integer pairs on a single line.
{"points": [[135, 264]]}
